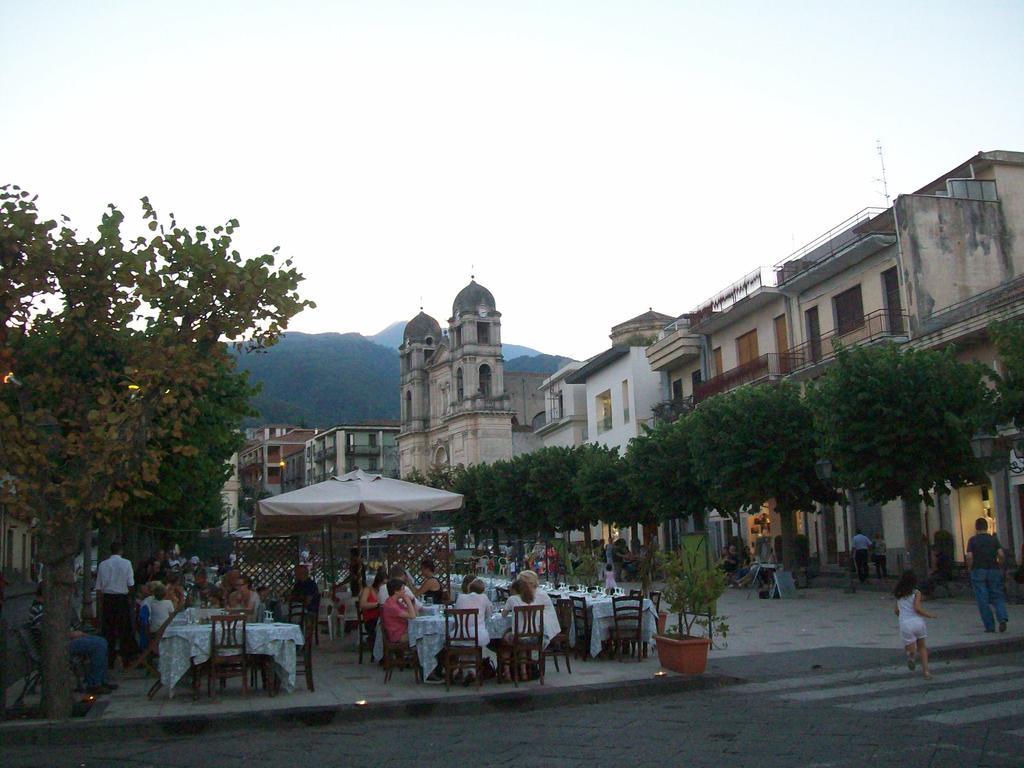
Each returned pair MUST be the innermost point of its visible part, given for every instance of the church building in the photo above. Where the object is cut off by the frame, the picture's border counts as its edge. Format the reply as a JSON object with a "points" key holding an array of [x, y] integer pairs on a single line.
{"points": [[458, 406]]}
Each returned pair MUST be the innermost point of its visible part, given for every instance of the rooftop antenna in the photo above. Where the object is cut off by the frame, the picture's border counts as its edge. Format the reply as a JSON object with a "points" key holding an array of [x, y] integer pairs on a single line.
{"points": [[883, 179], [421, 303], [472, 271]]}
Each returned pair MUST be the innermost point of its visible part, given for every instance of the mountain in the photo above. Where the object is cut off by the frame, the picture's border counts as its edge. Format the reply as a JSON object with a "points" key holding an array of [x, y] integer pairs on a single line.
{"points": [[392, 337], [323, 379]]}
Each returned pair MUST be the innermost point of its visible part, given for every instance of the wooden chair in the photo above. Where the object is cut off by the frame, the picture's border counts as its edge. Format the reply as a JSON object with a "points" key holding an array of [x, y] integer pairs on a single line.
{"points": [[527, 640], [362, 633], [627, 626], [462, 644], [151, 653], [581, 626], [501, 594], [304, 656], [636, 593], [559, 644], [655, 597], [228, 656], [399, 656]]}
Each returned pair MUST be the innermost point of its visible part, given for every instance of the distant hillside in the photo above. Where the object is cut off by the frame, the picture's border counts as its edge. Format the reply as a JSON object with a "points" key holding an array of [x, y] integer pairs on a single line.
{"points": [[319, 380], [324, 379], [539, 363], [392, 337]]}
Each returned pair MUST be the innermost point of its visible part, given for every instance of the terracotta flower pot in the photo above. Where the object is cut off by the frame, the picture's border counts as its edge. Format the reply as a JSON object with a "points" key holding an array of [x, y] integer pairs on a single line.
{"points": [[687, 655], [662, 618]]}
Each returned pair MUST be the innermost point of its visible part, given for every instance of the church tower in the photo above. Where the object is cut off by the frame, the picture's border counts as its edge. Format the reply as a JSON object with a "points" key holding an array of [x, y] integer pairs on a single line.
{"points": [[474, 336], [419, 343]]}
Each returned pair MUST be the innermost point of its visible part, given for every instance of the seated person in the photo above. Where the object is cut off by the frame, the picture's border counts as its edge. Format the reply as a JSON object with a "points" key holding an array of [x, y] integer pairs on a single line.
{"points": [[93, 647], [430, 590], [468, 579], [199, 592], [369, 605], [396, 612], [175, 592], [160, 607], [528, 593], [305, 591], [244, 598], [476, 598], [397, 572]]}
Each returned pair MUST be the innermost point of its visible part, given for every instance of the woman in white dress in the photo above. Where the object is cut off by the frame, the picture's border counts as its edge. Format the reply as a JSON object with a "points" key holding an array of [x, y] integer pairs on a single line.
{"points": [[532, 595], [913, 629], [476, 598]]}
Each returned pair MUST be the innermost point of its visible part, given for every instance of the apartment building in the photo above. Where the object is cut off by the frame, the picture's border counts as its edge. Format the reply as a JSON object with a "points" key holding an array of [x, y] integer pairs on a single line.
{"points": [[371, 447], [17, 546], [263, 459], [565, 408], [933, 269]]}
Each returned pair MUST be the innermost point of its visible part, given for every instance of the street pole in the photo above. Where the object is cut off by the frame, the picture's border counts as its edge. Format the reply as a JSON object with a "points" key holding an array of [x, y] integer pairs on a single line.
{"points": [[850, 587]]}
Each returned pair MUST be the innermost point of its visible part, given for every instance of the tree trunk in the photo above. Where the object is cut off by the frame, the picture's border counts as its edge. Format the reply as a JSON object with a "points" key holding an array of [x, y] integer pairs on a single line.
{"points": [[788, 519], [57, 554], [913, 538], [88, 611], [587, 537]]}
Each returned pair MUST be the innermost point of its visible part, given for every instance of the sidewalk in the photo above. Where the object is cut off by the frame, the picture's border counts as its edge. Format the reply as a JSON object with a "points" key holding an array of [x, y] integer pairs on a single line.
{"points": [[818, 630]]}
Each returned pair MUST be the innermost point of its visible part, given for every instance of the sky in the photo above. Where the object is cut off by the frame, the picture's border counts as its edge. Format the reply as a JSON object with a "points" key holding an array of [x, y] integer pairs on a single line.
{"points": [[585, 160]]}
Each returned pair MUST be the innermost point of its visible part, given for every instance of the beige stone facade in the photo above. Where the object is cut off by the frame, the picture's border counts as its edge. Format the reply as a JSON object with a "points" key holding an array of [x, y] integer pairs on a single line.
{"points": [[458, 405]]}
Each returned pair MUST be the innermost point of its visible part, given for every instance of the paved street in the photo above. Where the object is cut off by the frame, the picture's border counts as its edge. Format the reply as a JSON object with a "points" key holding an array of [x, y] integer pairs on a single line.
{"points": [[970, 714]]}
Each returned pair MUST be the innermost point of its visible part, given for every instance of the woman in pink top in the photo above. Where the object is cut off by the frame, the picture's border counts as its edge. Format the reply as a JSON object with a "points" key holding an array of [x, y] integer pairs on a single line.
{"points": [[396, 612]]}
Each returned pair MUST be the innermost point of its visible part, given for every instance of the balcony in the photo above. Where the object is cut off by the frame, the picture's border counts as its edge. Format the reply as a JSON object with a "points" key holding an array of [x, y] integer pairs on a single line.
{"points": [[330, 452], [362, 449], [676, 345], [768, 367], [669, 411], [867, 231], [748, 294], [318, 455], [880, 324]]}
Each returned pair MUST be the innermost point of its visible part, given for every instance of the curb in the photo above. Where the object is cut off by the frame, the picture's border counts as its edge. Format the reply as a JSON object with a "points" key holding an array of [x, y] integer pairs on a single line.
{"points": [[971, 650], [92, 731]]}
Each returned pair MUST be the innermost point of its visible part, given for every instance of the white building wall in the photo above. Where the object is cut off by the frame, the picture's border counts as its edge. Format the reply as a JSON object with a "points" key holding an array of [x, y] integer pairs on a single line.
{"points": [[644, 391]]}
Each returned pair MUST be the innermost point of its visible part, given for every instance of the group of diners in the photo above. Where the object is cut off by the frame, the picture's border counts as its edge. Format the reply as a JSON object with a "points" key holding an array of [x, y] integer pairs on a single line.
{"points": [[392, 600]]}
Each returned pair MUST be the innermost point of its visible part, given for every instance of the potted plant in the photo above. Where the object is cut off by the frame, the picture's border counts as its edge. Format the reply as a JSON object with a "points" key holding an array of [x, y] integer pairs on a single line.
{"points": [[692, 590], [586, 571]]}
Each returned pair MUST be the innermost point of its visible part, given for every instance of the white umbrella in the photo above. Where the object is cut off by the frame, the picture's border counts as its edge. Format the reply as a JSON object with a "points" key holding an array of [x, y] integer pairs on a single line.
{"points": [[357, 501]]}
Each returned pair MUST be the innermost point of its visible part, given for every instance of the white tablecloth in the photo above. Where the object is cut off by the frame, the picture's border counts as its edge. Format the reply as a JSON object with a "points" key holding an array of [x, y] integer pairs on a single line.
{"points": [[185, 644], [602, 621], [426, 633]]}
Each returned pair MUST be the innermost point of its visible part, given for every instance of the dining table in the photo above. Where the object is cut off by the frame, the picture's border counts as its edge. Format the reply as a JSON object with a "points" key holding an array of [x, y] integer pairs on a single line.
{"points": [[185, 644]]}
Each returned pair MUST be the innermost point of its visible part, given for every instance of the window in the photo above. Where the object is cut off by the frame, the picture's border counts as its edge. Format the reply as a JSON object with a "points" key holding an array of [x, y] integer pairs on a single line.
{"points": [[781, 335], [717, 354], [561, 405], [458, 336], [893, 300], [483, 333], [485, 380], [603, 408], [677, 388], [625, 402], [408, 406], [459, 389], [849, 310], [373, 439], [372, 464], [746, 347], [813, 334], [695, 379]]}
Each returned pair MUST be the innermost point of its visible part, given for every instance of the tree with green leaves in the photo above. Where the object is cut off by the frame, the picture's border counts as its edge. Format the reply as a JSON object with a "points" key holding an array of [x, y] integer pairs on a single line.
{"points": [[186, 495], [756, 444], [109, 347], [1009, 340], [898, 423], [556, 506], [661, 477], [601, 485]]}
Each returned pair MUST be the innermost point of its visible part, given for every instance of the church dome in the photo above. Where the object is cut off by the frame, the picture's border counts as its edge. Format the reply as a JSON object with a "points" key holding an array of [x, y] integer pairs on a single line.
{"points": [[473, 298], [421, 327]]}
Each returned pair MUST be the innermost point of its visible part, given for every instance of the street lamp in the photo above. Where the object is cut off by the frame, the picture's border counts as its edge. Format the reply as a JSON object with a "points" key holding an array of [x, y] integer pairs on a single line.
{"points": [[984, 447], [823, 469]]}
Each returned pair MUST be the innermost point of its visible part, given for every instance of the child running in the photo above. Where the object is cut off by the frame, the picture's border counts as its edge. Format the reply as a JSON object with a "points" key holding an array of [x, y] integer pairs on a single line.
{"points": [[913, 630]]}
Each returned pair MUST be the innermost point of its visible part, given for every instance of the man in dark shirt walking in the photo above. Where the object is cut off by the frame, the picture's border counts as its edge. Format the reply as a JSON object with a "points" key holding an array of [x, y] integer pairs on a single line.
{"points": [[985, 559]]}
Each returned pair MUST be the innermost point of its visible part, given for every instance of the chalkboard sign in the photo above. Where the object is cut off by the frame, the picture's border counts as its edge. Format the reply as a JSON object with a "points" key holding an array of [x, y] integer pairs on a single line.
{"points": [[785, 587]]}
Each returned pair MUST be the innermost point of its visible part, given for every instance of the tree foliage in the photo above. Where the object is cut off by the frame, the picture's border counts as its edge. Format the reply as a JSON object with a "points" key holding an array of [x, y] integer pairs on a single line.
{"points": [[756, 444], [1009, 340], [111, 345], [898, 424], [659, 468]]}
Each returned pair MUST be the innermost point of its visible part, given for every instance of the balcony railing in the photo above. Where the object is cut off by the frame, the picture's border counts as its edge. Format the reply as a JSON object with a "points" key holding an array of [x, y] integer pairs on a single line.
{"points": [[668, 411], [879, 324], [828, 244], [363, 450], [330, 452], [764, 368]]}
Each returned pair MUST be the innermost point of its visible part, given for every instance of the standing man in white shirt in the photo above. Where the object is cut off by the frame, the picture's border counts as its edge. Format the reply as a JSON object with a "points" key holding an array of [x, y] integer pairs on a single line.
{"points": [[114, 579]]}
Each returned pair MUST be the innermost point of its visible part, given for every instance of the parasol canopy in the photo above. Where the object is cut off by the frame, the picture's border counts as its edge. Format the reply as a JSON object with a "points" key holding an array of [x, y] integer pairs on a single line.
{"points": [[357, 501]]}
